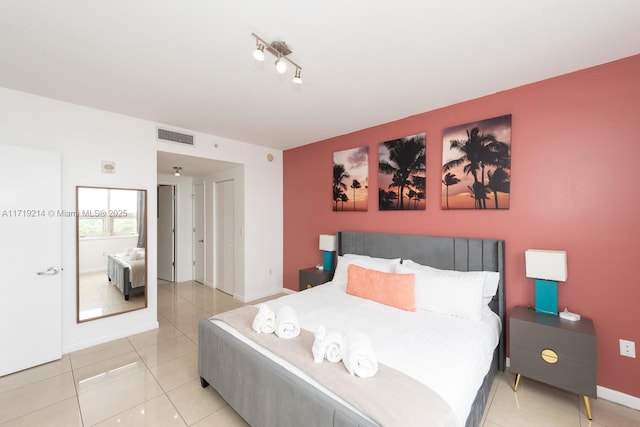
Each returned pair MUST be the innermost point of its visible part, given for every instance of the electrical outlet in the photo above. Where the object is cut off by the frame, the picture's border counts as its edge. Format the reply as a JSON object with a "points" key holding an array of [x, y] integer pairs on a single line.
{"points": [[628, 348]]}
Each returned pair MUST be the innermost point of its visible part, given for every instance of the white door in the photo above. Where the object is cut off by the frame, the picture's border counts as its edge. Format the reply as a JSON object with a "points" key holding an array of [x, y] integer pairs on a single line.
{"points": [[198, 232], [224, 212], [30, 226], [166, 233]]}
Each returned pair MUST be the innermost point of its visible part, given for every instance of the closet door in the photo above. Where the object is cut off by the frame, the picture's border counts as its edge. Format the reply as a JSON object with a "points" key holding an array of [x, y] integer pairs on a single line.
{"points": [[30, 258], [199, 246], [166, 233], [224, 236]]}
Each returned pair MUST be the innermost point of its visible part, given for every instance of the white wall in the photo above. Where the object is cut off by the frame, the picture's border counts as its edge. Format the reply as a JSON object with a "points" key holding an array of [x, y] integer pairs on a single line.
{"points": [[94, 251], [85, 137], [262, 208]]}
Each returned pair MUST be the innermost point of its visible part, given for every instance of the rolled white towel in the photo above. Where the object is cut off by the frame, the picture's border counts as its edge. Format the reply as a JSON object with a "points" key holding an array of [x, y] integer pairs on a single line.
{"points": [[334, 343], [359, 358], [287, 323], [265, 320], [319, 347]]}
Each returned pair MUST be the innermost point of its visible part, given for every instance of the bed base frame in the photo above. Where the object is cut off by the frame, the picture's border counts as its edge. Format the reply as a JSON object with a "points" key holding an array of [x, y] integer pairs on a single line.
{"points": [[256, 387], [119, 273]]}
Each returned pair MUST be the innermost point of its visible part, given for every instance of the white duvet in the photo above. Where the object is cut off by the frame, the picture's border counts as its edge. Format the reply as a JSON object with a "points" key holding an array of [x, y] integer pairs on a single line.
{"points": [[448, 354]]}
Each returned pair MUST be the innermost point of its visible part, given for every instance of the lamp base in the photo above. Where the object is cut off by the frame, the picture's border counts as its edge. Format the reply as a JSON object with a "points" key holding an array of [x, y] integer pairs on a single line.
{"points": [[547, 296], [327, 260]]}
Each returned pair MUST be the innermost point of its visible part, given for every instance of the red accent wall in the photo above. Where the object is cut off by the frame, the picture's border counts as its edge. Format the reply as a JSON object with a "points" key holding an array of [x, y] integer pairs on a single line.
{"points": [[575, 186]]}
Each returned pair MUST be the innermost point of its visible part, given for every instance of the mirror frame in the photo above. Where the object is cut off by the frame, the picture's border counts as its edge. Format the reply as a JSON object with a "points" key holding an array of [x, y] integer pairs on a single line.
{"points": [[146, 264]]}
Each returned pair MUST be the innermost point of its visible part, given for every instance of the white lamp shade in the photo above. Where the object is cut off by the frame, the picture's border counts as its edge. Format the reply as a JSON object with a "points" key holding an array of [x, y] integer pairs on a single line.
{"points": [[546, 265], [328, 242]]}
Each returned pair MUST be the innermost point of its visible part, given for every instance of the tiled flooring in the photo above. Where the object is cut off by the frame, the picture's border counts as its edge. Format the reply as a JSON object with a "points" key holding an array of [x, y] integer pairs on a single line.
{"points": [[151, 379], [99, 297]]}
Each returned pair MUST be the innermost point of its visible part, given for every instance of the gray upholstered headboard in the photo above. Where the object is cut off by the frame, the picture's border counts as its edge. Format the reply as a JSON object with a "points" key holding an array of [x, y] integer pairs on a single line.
{"points": [[449, 253]]}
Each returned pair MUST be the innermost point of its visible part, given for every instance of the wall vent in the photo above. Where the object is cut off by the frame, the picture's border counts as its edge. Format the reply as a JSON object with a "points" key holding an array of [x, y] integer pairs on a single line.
{"points": [[169, 135]]}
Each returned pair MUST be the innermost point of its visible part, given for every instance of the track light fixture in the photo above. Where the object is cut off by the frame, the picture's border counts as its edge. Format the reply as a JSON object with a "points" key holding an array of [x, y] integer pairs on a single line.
{"points": [[176, 170], [297, 79], [281, 66], [258, 54], [280, 50]]}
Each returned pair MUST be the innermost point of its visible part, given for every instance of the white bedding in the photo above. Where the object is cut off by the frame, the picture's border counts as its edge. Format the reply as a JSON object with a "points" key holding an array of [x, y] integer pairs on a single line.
{"points": [[137, 268], [450, 355]]}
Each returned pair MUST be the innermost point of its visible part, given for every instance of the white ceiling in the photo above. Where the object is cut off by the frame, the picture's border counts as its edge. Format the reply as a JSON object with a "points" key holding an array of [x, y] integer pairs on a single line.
{"points": [[188, 63], [191, 166]]}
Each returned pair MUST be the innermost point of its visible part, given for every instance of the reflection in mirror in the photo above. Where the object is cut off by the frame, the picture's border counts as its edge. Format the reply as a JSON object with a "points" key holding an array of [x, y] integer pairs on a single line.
{"points": [[111, 251]]}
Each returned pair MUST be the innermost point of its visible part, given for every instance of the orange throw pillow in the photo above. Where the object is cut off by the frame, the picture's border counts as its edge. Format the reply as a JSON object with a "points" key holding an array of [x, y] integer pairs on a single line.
{"points": [[396, 290]]}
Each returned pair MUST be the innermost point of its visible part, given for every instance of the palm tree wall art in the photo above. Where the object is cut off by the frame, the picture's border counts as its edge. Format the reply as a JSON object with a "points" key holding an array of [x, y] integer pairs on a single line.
{"points": [[402, 174], [351, 180], [476, 165]]}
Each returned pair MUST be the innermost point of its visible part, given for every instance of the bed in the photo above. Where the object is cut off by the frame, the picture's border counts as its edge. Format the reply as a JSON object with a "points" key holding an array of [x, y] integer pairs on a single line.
{"points": [[127, 272], [266, 391]]}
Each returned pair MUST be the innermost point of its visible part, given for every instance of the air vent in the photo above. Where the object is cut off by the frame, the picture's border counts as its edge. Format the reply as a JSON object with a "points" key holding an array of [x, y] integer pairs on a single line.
{"points": [[168, 135]]}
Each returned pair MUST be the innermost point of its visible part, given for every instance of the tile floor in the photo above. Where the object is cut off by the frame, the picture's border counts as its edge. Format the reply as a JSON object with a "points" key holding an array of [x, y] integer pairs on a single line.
{"points": [[150, 379], [99, 297]]}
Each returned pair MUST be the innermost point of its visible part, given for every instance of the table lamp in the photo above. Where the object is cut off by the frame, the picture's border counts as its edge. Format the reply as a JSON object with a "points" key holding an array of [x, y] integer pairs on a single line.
{"points": [[328, 247], [548, 268]]}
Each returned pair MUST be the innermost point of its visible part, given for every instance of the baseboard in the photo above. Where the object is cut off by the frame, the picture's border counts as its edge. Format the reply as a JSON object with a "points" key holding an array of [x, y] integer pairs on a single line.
{"points": [[614, 396], [106, 338], [618, 397], [206, 284]]}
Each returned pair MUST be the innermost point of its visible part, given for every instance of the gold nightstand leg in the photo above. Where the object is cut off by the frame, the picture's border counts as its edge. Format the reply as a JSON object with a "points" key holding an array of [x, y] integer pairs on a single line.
{"points": [[587, 405], [515, 385]]}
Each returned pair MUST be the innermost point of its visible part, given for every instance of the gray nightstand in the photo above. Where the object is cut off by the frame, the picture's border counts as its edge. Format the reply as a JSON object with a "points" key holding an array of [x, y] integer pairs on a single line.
{"points": [[555, 351], [310, 277]]}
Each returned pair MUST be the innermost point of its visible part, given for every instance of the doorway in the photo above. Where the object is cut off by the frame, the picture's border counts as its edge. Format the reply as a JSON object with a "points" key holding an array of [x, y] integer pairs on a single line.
{"points": [[31, 254], [167, 232], [199, 246], [224, 223]]}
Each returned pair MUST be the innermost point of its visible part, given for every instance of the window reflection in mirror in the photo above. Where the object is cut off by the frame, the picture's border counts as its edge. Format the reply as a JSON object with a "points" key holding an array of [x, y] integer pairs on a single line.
{"points": [[111, 251]]}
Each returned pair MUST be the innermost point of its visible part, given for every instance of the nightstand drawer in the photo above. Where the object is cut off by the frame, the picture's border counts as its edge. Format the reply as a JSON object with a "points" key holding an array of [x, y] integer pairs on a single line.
{"points": [[310, 277], [569, 345], [564, 373]]}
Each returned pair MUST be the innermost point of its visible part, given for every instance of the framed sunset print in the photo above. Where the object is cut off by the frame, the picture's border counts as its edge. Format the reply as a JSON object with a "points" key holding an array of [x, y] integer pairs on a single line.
{"points": [[476, 165], [351, 180], [402, 174]]}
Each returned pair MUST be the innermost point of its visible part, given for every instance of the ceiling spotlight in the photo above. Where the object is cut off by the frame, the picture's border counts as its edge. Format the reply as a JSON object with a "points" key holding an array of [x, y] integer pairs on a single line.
{"points": [[281, 66], [176, 170], [297, 79], [258, 54], [280, 50]]}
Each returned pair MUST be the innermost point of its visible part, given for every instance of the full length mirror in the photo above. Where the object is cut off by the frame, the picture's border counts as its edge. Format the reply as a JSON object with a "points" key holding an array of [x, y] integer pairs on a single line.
{"points": [[111, 240]]}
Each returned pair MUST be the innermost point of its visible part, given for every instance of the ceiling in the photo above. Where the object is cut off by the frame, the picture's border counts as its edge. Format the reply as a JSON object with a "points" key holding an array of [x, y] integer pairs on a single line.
{"points": [[188, 63], [191, 166]]}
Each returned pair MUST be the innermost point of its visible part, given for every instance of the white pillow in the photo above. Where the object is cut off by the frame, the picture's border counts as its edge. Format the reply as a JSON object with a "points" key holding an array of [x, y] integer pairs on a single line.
{"points": [[136, 254], [445, 293], [385, 265], [490, 278]]}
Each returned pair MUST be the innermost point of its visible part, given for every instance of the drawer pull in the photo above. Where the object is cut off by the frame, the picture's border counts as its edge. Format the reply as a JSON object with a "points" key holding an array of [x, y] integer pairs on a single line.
{"points": [[549, 356]]}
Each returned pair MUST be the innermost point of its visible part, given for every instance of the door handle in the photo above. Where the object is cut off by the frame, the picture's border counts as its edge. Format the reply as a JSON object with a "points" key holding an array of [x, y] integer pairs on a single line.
{"points": [[51, 271], [200, 241]]}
